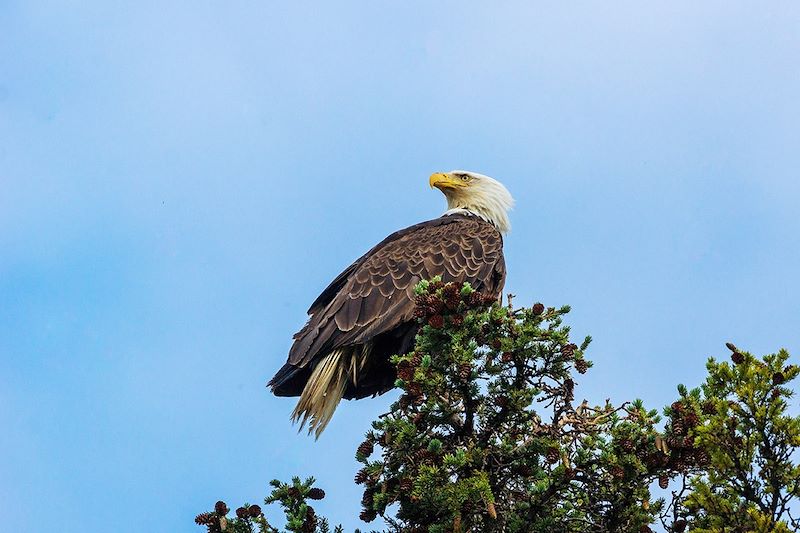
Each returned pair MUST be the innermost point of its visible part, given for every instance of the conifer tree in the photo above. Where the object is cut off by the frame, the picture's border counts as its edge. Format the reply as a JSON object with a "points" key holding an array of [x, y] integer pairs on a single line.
{"points": [[487, 436]]}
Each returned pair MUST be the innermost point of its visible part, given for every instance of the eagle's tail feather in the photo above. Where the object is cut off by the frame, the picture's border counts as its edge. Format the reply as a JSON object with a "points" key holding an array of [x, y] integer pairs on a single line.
{"points": [[326, 386]]}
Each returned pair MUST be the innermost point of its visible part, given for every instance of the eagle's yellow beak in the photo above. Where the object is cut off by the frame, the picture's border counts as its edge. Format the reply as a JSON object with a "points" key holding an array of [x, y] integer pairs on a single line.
{"points": [[443, 180]]}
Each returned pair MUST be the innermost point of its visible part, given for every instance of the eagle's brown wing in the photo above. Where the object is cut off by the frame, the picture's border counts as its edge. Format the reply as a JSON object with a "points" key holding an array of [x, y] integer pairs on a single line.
{"points": [[376, 293]]}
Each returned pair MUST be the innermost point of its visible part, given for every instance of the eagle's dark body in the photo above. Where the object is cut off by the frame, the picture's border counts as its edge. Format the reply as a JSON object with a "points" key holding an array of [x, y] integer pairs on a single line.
{"points": [[368, 310]]}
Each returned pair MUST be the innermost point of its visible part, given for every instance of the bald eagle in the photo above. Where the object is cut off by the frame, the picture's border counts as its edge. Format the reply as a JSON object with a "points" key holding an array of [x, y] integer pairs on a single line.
{"points": [[366, 314]]}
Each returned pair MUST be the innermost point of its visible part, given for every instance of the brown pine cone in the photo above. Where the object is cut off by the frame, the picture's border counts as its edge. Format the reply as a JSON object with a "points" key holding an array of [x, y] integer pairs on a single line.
{"points": [[254, 511], [316, 493], [475, 299], [361, 476], [368, 515], [205, 519], [293, 492], [406, 485], [537, 308], [241, 512], [457, 320], [663, 481], [414, 389], [416, 359], [406, 373], [677, 407], [626, 445], [737, 358], [310, 525], [568, 350], [436, 321], [678, 427], [581, 366], [709, 408], [553, 455], [679, 526], [778, 378], [365, 448], [464, 370], [366, 499], [450, 290], [221, 508]]}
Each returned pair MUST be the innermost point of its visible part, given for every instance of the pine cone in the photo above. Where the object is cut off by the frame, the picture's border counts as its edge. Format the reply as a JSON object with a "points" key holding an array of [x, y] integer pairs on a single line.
{"points": [[663, 481], [406, 485], [677, 407], [450, 290], [457, 320], [507, 357], [626, 445], [241, 513], [310, 524], [406, 373], [679, 526], [709, 408], [553, 455], [678, 427], [294, 492], [221, 508], [464, 371], [254, 511], [778, 378], [414, 389], [568, 350], [731, 347], [436, 321], [537, 309], [416, 359], [475, 299], [581, 366], [361, 476], [316, 493], [366, 499], [368, 515], [205, 519], [365, 448], [737, 358]]}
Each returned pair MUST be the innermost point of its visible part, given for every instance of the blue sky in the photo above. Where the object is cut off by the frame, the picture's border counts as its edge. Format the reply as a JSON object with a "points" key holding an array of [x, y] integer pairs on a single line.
{"points": [[179, 180]]}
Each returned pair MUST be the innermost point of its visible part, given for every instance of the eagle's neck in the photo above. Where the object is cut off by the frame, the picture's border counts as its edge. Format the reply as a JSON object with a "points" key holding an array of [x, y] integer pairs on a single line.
{"points": [[501, 225]]}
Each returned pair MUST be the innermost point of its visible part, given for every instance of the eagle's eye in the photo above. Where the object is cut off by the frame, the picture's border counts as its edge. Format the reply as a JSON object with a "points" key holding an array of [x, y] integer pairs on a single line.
{"points": [[464, 177]]}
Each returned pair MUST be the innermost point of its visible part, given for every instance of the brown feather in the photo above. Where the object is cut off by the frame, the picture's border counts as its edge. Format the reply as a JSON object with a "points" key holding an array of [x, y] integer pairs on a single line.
{"points": [[372, 301]]}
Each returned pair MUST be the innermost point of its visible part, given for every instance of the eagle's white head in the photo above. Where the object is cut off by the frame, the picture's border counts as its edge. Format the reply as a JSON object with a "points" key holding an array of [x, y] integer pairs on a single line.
{"points": [[477, 194]]}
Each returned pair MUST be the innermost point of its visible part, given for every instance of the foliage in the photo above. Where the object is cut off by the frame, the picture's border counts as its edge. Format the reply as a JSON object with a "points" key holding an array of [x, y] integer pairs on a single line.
{"points": [[293, 498], [739, 418], [487, 436]]}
